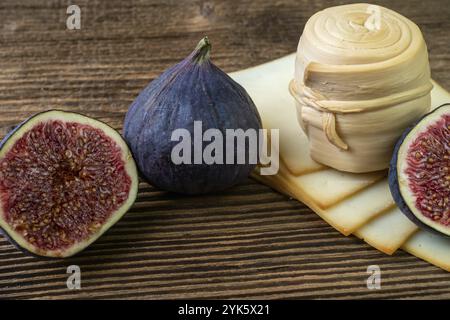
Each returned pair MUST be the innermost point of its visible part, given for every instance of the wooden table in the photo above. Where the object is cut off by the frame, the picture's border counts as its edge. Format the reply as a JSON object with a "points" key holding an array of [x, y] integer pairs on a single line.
{"points": [[248, 242]]}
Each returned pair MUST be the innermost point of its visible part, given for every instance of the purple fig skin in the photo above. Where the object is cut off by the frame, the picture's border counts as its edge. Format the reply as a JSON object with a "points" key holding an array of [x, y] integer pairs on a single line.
{"points": [[394, 185], [192, 90]]}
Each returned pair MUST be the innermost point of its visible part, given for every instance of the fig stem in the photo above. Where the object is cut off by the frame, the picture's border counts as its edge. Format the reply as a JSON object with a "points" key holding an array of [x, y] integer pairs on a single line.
{"points": [[201, 52]]}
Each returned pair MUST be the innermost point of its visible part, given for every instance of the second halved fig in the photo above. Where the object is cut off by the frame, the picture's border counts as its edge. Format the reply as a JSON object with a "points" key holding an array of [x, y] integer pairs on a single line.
{"points": [[419, 176]]}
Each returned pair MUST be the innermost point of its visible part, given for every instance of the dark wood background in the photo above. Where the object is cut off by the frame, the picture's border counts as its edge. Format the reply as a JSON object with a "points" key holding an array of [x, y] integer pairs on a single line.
{"points": [[248, 242]]}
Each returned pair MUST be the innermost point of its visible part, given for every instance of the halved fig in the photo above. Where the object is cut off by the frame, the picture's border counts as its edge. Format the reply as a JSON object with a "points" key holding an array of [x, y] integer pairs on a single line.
{"points": [[64, 180], [419, 175]]}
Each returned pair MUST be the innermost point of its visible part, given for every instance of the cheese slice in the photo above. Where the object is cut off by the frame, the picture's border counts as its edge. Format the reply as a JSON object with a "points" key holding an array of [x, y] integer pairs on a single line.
{"points": [[387, 232], [439, 95], [329, 187], [354, 212], [431, 248]]}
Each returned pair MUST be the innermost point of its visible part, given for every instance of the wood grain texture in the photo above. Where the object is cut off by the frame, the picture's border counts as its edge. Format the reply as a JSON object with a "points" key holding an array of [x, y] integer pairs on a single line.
{"points": [[248, 242]]}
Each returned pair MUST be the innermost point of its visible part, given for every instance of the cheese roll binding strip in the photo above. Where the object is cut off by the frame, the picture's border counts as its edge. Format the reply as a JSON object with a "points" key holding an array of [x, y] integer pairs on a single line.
{"points": [[358, 85]]}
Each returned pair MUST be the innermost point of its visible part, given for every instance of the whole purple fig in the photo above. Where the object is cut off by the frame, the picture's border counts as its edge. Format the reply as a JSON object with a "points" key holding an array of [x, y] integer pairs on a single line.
{"points": [[196, 97]]}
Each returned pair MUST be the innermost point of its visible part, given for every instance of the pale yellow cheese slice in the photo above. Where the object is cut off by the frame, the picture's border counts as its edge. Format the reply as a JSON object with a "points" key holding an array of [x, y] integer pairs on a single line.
{"points": [[354, 212], [439, 95], [330, 186], [388, 231], [429, 247]]}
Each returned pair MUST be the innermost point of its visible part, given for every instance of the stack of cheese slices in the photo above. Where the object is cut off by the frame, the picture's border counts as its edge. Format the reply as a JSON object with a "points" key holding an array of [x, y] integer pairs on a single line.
{"points": [[353, 203]]}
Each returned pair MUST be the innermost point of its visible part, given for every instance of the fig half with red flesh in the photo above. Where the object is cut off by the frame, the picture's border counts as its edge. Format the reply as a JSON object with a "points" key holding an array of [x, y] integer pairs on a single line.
{"points": [[65, 179], [419, 176]]}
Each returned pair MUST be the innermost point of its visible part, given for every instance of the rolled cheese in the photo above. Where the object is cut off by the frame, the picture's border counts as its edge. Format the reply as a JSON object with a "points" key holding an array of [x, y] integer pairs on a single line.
{"points": [[358, 85]]}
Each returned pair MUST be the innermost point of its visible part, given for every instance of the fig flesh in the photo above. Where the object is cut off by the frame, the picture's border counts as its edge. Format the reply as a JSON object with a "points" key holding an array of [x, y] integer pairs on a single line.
{"points": [[64, 180], [419, 175]]}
